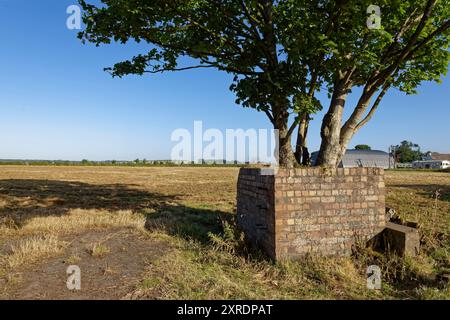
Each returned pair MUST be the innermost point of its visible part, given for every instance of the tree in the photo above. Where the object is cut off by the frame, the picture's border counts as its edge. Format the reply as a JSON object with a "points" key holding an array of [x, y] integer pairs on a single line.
{"points": [[283, 52], [407, 151], [411, 47], [363, 147]]}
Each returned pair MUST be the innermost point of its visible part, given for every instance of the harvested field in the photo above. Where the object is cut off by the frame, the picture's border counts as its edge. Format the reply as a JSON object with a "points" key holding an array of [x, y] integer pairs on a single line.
{"points": [[167, 233]]}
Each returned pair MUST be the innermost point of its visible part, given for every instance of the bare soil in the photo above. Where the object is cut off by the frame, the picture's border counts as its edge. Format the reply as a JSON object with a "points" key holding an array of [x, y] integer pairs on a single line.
{"points": [[112, 276]]}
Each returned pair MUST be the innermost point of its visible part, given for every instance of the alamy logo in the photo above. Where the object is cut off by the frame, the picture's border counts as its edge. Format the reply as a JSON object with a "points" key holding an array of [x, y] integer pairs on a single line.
{"points": [[374, 20], [374, 278], [231, 146], [74, 20], [74, 279]]}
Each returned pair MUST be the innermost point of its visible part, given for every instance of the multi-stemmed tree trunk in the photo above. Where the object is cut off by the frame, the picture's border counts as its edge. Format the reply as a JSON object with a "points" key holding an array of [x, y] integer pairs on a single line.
{"points": [[331, 148], [335, 135], [398, 60]]}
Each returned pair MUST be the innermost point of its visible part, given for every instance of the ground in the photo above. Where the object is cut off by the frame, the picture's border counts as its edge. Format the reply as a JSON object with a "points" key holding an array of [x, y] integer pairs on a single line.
{"points": [[167, 233]]}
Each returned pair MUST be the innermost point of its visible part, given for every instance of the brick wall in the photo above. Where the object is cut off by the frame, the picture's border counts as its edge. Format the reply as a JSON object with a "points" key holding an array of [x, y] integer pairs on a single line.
{"points": [[256, 208], [310, 210]]}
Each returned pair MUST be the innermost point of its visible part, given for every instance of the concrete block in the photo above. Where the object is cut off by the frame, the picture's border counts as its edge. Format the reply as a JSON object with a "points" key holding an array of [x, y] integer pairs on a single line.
{"points": [[404, 240]]}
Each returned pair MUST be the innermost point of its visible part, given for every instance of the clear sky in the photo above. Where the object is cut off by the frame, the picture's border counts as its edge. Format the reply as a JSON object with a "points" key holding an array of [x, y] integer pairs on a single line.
{"points": [[57, 103]]}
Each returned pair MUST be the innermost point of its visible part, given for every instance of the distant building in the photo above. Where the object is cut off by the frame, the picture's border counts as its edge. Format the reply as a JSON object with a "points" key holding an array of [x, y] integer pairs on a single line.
{"points": [[436, 156], [433, 160], [431, 164], [405, 165], [362, 158]]}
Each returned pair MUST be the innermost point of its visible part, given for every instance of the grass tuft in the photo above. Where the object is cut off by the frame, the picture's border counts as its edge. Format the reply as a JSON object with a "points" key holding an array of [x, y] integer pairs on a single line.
{"points": [[31, 250]]}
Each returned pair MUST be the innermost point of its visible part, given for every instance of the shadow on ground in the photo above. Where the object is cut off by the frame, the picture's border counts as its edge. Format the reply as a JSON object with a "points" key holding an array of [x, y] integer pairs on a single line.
{"points": [[116, 274], [21, 200], [186, 222]]}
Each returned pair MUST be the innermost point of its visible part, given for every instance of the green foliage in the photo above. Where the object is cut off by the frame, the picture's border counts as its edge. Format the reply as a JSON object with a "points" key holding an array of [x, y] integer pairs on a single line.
{"points": [[363, 147], [304, 103], [231, 239], [407, 151], [280, 53]]}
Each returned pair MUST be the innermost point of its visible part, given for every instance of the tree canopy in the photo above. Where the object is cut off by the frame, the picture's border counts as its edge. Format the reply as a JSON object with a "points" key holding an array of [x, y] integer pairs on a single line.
{"points": [[281, 53], [407, 152], [362, 147]]}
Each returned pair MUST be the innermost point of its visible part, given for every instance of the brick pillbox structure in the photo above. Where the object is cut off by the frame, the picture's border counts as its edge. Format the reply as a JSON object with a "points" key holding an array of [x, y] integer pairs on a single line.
{"points": [[297, 211]]}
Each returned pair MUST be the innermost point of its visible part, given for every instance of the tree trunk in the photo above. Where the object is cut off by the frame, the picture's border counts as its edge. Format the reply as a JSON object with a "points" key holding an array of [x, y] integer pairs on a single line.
{"points": [[301, 151], [330, 153], [286, 158], [286, 155]]}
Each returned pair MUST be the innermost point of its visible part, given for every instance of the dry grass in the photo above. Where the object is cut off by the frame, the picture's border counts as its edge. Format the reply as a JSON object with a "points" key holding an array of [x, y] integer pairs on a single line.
{"points": [[423, 197], [78, 220], [183, 207], [192, 271], [73, 259], [98, 250], [30, 250]]}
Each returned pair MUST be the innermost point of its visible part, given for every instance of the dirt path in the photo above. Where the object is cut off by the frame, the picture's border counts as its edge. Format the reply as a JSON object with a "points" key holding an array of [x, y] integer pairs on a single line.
{"points": [[112, 272]]}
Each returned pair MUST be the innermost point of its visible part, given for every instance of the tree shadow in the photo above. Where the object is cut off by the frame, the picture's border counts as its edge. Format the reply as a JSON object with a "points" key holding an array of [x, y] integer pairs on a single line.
{"points": [[21, 200], [187, 222], [25, 199]]}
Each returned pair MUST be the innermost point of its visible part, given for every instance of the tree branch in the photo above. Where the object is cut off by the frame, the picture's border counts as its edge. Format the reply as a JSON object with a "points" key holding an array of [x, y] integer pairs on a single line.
{"points": [[270, 116], [369, 116], [253, 22], [381, 77], [293, 126], [445, 26], [178, 69]]}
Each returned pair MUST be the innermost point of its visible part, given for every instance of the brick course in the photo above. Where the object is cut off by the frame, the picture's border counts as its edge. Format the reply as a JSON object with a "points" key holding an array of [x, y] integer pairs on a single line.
{"points": [[306, 210]]}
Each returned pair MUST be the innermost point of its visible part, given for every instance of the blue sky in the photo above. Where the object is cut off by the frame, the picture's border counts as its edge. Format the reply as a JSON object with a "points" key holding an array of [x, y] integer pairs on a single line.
{"points": [[57, 103]]}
